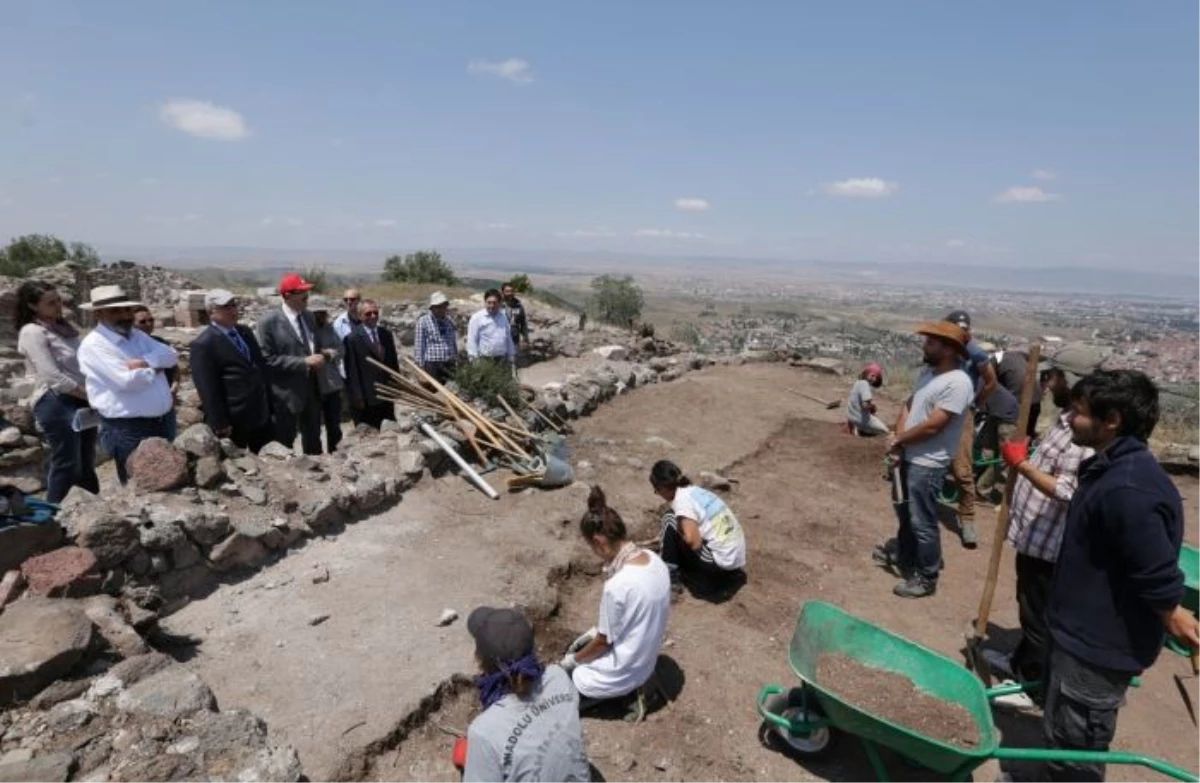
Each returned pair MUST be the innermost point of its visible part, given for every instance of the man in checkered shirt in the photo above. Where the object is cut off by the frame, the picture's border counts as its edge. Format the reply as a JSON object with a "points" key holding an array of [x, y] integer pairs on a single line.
{"points": [[1038, 512], [435, 344]]}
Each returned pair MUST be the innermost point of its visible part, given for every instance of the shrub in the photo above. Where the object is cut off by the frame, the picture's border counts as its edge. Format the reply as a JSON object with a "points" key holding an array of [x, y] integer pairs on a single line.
{"points": [[615, 300], [423, 266], [29, 252], [521, 284], [484, 379]]}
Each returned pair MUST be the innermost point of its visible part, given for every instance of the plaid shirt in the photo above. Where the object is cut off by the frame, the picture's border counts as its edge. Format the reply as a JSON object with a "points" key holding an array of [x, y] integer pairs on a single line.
{"points": [[1036, 521], [435, 341]]}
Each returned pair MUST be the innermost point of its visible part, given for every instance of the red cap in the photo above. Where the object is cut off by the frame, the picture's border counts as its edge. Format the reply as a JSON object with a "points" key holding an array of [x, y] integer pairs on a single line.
{"points": [[292, 283]]}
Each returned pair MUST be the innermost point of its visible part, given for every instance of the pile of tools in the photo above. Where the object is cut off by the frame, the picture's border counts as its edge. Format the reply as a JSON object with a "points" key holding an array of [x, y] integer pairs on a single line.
{"points": [[510, 443]]}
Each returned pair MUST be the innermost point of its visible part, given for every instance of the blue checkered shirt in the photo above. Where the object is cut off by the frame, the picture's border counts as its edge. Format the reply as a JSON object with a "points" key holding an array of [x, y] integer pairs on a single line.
{"points": [[435, 341], [1036, 521]]}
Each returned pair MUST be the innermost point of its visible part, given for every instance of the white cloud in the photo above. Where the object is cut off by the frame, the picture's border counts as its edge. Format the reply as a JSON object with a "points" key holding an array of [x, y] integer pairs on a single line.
{"points": [[493, 226], [204, 119], [337, 144], [1025, 194], [385, 223], [513, 69], [956, 243], [148, 181], [667, 233], [692, 204], [192, 217], [583, 233], [285, 221], [861, 187], [974, 247], [1043, 174]]}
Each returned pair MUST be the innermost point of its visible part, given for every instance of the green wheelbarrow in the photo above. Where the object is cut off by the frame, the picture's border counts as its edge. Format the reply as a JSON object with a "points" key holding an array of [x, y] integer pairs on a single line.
{"points": [[810, 719]]}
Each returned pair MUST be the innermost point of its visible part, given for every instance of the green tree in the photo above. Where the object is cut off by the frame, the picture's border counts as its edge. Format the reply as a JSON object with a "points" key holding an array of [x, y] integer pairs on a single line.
{"points": [[615, 300], [26, 253], [319, 278], [423, 266], [521, 284]]}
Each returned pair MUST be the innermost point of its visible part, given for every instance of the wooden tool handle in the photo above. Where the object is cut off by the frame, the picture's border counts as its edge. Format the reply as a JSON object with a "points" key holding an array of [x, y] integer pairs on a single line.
{"points": [[1195, 656], [1029, 388]]}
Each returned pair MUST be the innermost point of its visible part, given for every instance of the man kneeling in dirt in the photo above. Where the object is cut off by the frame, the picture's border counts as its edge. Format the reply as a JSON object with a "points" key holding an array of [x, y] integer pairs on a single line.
{"points": [[926, 439], [860, 409]]}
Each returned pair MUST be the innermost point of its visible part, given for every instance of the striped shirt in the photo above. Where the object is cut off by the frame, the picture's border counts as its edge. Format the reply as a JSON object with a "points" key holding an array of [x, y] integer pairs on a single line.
{"points": [[1035, 520]]}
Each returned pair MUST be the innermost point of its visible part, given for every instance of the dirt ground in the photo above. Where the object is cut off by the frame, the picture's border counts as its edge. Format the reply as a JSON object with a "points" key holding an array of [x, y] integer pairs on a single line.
{"points": [[364, 684]]}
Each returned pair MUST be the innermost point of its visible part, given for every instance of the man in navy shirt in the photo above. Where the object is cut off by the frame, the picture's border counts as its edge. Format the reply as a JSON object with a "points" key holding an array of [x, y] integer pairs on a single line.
{"points": [[1117, 585]]}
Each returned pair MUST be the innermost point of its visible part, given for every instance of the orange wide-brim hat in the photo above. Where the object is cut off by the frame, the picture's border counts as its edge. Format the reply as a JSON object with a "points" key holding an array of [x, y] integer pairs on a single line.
{"points": [[952, 333]]}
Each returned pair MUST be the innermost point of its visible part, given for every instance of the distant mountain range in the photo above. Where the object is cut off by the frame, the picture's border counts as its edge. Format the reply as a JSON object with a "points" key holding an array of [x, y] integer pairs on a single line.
{"points": [[1115, 283]]}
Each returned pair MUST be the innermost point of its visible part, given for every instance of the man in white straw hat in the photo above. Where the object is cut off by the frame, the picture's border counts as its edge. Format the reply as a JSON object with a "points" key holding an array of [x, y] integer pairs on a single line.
{"points": [[124, 370], [435, 346]]}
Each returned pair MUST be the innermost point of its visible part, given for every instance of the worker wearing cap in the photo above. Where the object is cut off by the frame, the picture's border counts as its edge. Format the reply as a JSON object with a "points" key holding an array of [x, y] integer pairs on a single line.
{"points": [[529, 728], [860, 408], [231, 375], [927, 435], [978, 366], [288, 340], [435, 345]]}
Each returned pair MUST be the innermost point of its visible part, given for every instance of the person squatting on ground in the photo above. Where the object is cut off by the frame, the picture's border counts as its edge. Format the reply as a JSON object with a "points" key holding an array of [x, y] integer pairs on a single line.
{"points": [[701, 538], [50, 346], [1117, 586], [125, 370], [1043, 490], [329, 376], [618, 655], [927, 434], [978, 366], [231, 375], [529, 728], [860, 408], [289, 346]]}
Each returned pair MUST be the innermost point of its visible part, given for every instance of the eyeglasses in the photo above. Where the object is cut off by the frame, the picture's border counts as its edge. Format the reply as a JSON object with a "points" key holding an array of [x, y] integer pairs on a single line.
{"points": [[351, 299], [370, 314]]}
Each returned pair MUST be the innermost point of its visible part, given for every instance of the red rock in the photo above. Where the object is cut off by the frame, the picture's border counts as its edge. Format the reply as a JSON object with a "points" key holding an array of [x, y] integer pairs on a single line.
{"points": [[157, 466], [67, 572]]}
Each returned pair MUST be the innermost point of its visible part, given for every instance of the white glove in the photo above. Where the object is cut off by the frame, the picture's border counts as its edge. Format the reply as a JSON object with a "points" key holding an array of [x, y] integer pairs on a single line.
{"points": [[583, 640], [568, 662]]}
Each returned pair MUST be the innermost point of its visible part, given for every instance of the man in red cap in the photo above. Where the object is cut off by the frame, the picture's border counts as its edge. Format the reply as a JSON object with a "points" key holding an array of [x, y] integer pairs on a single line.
{"points": [[287, 337], [860, 408]]}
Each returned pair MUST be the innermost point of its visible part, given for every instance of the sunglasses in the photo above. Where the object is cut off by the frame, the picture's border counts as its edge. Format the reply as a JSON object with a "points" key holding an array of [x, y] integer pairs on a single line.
{"points": [[351, 299]]}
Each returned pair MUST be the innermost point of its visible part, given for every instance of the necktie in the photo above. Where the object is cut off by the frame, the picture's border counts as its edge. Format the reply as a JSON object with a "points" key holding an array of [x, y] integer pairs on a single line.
{"points": [[304, 337], [239, 343], [375, 342]]}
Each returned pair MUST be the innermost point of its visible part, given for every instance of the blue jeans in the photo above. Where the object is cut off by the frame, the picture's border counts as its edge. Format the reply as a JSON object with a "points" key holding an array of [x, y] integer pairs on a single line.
{"points": [[920, 537], [71, 461], [121, 437]]}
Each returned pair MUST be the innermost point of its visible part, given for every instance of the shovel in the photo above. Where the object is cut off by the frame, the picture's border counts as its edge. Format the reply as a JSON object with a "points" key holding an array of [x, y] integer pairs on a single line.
{"points": [[976, 632], [829, 404], [1184, 691]]}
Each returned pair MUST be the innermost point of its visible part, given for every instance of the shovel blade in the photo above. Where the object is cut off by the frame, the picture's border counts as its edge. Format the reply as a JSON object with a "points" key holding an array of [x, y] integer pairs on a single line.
{"points": [[1187, 696]]}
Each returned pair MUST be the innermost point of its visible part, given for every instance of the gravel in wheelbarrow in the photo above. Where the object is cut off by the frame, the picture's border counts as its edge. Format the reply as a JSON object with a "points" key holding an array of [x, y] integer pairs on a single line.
{"points": [[896, 698]]}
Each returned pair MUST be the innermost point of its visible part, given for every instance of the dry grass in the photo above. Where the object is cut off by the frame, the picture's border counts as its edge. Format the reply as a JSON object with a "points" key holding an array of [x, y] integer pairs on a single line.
{"points": [[412, 292]]}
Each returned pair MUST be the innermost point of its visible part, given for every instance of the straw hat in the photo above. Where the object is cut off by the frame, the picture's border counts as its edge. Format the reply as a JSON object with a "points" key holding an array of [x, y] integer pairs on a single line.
{"points": [[945, 330]]}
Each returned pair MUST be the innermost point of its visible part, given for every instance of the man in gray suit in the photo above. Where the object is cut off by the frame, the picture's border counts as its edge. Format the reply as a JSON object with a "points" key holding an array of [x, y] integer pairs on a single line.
{"points": [[287, 338]]}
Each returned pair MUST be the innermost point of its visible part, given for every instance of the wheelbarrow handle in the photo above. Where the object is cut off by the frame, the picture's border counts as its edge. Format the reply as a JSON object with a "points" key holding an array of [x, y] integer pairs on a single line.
{"points": [[775, 720], [1094, 757]]}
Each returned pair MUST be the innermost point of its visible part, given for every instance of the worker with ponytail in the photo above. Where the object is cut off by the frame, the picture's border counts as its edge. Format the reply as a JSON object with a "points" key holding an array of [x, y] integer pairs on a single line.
{"points": [[701, 538], [618, 656]]}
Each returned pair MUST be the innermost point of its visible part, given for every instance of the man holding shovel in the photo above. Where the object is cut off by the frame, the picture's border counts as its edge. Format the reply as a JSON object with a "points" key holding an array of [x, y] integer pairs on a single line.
{"points": [[1117, 586]]}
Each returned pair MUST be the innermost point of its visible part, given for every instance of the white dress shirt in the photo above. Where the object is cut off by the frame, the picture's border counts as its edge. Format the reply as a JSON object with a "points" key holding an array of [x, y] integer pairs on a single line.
{"points": [[343, 326], [115, 391], [294, 319], [489, 335]]}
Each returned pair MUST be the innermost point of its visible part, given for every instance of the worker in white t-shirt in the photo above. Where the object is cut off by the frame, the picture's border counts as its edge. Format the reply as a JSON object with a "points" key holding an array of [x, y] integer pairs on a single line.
{"points": [[618, 656], [701, 538]]}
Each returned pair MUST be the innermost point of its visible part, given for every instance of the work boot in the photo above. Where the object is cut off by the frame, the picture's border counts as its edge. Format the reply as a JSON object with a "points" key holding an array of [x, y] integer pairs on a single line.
{"points": [[969, 539], [915, 587]]}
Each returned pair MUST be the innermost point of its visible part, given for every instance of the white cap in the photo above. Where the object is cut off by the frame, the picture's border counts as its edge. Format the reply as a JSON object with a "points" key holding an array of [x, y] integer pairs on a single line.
{"points": [[437, 298], [218, 297]]}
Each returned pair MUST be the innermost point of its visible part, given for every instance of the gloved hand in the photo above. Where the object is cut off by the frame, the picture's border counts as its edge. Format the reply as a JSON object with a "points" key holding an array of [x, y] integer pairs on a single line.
{"points": [[568, 662], [459, 756], [1015, 451], [583, 640]]}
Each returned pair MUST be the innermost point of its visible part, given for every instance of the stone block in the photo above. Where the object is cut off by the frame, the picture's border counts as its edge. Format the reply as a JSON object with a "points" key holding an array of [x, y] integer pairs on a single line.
{"points": [[157, 466], [70, 571], [40, 640], [21, 541]]}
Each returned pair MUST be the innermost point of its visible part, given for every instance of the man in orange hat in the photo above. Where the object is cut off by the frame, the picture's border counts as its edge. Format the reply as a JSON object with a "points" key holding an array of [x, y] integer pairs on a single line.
{"points": [[288, 340], [927, 435]]}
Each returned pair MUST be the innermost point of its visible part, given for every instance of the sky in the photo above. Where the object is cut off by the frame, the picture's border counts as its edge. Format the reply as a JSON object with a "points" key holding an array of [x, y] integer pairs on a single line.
{"points": [[988, 134]]}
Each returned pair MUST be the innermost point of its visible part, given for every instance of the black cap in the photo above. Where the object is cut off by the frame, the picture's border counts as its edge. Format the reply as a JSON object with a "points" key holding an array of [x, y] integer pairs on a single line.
{"points": [[500, 634], [960, 317]]}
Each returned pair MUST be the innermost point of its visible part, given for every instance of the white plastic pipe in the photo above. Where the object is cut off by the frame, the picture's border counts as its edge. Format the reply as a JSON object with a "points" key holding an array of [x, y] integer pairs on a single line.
{"points": [[476, 479]]}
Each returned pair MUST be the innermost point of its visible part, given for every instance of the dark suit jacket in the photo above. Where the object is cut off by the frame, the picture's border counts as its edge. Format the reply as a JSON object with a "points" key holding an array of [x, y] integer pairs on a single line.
{"points": [[291, 383], [361, 375], [234, 390]]}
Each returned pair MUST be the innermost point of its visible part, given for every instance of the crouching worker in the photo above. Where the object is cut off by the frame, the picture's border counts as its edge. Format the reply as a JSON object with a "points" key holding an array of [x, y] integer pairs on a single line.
{"points": [[701, 538], [529, 728], [860, 408], [618, 656]]}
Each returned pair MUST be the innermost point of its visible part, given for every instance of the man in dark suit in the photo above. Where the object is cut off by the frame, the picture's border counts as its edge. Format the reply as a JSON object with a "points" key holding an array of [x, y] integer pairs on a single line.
{"points": [[287, 337], [369, 340], [231, 376]]}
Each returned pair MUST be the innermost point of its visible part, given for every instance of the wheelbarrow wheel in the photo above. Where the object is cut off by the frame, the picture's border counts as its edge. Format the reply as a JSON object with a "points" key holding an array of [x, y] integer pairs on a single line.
{"points": [[793, 706]]}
